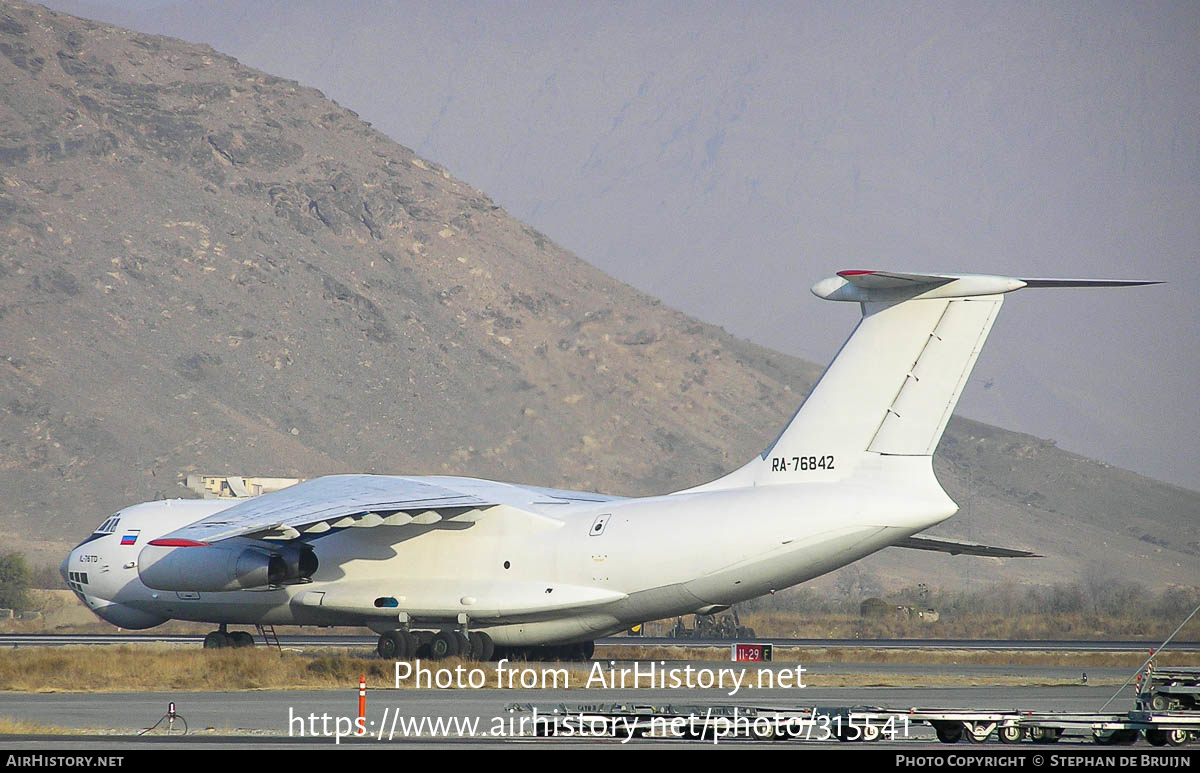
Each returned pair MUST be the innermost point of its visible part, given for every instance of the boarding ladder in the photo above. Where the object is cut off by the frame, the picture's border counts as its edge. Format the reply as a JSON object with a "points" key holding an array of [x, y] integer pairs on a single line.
{"points": [[269, 637]]}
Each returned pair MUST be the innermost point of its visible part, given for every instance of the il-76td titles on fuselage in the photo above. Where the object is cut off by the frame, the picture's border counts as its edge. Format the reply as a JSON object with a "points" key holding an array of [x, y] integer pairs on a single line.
{"points": [[445, 565]]}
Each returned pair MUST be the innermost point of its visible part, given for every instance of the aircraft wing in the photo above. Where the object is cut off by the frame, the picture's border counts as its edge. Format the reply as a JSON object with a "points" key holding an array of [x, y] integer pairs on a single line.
{"points": [[334, 501], [961, 548]]}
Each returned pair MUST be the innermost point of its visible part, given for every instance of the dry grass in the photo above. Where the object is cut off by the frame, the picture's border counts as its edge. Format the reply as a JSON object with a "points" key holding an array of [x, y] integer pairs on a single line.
{"points": [[129, 668], [14, 726]]}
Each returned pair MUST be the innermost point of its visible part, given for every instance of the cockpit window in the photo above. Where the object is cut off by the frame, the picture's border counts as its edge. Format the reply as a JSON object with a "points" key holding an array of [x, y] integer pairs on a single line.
{"points": [[109, 526]]}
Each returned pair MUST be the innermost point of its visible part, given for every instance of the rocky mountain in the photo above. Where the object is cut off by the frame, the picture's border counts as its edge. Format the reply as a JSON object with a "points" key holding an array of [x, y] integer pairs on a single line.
{"points": [[208, 268], [743, 154]]}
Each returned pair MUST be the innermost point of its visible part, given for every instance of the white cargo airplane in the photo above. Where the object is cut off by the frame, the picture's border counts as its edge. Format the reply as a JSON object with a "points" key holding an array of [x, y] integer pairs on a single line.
{"points": [[443, 565]]}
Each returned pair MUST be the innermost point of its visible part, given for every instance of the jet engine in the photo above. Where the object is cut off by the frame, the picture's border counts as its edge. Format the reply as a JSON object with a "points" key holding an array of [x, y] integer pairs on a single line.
{"points": [[299, 562], [186, 565]]}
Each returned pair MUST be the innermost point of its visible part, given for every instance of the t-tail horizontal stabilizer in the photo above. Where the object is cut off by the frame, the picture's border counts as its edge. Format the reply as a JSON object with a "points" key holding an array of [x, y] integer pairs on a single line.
{"points": [[865, 286]]}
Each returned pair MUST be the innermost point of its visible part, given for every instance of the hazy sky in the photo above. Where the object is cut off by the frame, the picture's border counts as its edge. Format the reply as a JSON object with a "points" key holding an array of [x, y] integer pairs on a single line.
{"points": [[725, 156]]}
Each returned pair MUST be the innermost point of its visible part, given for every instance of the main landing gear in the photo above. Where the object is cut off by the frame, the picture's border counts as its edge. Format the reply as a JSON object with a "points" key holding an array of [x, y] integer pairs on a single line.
{"points": [[436, 645], [222, 639]]}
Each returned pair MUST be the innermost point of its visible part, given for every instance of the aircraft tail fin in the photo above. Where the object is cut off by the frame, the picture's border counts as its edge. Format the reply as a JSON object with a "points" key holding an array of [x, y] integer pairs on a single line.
{"points": [[892, 387]]}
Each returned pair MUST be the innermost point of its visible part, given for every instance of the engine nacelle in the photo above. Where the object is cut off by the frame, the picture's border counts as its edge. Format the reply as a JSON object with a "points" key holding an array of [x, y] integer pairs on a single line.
{"points": [[181, 565]]}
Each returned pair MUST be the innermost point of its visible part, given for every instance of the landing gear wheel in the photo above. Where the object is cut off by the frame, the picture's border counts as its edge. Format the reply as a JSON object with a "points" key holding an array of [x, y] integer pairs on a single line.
{"points": [[1009, 734], [241, 639], [392, 646], [217, 640], [444, 645], [1159, 702], [1045, 734], [482, 646], [948, 732], [1156, 737], [871, 732]]}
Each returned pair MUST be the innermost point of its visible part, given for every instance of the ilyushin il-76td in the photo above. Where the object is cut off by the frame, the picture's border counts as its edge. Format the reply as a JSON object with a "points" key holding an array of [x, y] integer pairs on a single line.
{"points": [[442, 566]]}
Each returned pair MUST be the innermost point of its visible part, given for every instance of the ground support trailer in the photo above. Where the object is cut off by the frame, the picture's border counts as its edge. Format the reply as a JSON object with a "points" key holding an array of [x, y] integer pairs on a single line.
{"points": [[1170, 689]]}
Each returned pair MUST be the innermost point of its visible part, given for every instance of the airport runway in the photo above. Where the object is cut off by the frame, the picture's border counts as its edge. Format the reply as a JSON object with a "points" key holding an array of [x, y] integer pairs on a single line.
{"points": [[368, 641]]}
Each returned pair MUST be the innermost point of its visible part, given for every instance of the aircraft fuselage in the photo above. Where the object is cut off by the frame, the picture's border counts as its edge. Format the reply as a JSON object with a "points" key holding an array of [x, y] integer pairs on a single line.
{"points": [[541, 573]]}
